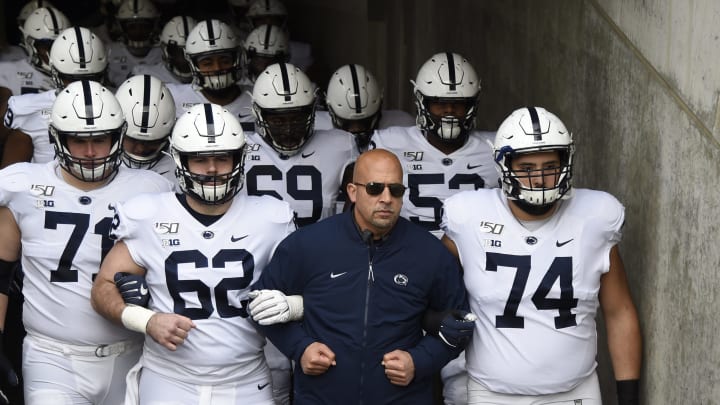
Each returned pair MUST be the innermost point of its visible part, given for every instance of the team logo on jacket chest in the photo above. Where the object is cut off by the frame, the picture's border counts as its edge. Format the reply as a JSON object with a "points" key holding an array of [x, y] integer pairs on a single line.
{"points": [[400, 279]]}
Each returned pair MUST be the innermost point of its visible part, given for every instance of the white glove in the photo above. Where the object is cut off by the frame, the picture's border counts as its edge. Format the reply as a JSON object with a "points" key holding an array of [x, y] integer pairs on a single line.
{"points": [[269, 307]]}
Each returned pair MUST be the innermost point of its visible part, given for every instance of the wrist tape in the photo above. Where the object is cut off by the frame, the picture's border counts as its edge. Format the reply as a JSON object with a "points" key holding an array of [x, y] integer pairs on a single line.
{"points": [[136, 318]]}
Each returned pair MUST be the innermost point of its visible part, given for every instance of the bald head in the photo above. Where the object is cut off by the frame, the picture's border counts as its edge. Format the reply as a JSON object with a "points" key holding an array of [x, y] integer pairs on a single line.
{"points": [[374, 158]]}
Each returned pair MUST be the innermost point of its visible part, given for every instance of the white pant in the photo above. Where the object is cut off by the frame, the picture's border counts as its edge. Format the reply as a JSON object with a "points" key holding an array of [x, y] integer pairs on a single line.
{"points": [[156, 389], [55, 373], [587, 393]]}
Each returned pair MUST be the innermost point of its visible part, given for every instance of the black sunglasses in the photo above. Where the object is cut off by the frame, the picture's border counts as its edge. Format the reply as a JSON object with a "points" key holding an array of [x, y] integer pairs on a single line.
{"points": [[373, 188]]}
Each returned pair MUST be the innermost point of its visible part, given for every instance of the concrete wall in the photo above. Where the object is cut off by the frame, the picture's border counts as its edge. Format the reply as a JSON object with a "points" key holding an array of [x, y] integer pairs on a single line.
{"points": [[637, 83]]}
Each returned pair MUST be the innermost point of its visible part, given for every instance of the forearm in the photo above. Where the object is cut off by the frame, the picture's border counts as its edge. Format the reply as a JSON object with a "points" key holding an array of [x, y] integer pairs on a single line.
{"points": [[625, 344], [107, 301]]}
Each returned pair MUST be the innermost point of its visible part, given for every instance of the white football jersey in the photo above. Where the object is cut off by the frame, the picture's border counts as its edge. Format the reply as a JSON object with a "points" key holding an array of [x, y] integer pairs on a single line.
{"points": [[186, 96], [535, 292], [21, 77], [122, 62], [65, 234], [432, 176], [157, 70], [204, 273], [30, 113], [309, 180]]}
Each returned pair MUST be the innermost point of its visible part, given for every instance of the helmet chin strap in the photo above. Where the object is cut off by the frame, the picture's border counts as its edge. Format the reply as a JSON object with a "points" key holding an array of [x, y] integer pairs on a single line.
{"points": [[533, 209]]}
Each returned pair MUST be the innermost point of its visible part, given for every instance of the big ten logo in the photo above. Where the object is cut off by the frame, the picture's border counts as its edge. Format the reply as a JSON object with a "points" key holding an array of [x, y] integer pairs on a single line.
{"points": [[413, 156], [45, 203], [25, 75], [171, 242], [166, 227], [491, 243], [489, 227]]}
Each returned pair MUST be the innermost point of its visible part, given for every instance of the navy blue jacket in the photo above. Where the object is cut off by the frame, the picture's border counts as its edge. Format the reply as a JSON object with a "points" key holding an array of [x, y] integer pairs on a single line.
{"points": [[361, 314]]}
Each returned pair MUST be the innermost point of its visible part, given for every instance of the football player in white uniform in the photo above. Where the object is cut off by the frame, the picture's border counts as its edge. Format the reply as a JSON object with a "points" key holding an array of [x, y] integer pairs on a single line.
{"points": [[442, 154], [59, 214], [138, 21], [287, 158], [199, 252], [150, 114], [539, 257], [76, 54], [174, 67], [215, 56]]}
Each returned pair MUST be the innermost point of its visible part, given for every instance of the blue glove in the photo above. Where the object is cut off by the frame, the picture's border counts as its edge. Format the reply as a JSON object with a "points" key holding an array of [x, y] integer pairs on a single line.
{"points": [[6, 372], [454, 327], [133, 288]]}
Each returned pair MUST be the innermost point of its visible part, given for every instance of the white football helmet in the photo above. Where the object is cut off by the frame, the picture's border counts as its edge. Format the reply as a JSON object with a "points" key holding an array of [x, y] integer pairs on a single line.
{"points": [[354, 101], [272, 12], [77, 54], [149, 110], [87, 109], [28, 8], [40, 30], [172, 42], [138, 20], [532, 130], [208, 38], [284, 107], [208, 130], [446, 77], [265, 45]]}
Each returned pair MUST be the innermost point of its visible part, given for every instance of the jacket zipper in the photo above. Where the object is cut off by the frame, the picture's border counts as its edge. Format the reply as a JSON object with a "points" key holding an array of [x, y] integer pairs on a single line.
{"points": [[370, 281]]}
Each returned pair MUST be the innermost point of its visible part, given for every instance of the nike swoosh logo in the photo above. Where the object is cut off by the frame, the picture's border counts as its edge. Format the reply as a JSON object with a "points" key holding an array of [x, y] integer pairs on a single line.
{"points": [[561, 244], [308, 155], [143, 290], [333, 275], [234, 239], [261, 386], [470, 167]]}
